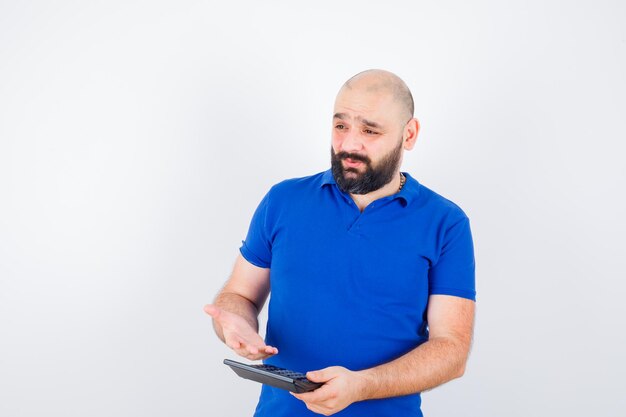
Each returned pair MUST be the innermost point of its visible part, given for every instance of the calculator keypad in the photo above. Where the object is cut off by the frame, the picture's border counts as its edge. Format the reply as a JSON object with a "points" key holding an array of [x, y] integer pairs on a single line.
{"points": [[282, 372]]}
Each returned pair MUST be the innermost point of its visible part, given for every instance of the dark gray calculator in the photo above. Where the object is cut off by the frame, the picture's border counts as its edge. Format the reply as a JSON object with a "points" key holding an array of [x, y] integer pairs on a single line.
{"points": [[274, 376]]}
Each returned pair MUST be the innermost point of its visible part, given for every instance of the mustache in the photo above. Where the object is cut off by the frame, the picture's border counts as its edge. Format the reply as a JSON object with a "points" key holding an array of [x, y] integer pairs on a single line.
{"points": [[353, 156]]}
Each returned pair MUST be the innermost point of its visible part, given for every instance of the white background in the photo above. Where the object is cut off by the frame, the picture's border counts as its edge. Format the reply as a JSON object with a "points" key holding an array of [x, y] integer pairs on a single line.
{"points": [[137, 138]]}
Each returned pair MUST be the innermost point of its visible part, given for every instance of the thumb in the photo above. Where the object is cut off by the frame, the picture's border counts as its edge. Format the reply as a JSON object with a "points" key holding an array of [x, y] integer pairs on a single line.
{"points": [[212, 310], [322, 375]]}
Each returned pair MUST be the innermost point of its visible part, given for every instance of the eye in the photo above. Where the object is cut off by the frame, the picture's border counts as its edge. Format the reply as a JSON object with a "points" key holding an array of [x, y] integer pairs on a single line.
{"points": [[340, 127], [370, 132]]}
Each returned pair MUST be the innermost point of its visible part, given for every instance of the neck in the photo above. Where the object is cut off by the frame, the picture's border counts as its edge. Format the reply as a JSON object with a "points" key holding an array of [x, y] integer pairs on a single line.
{"points": [[364, 200]]}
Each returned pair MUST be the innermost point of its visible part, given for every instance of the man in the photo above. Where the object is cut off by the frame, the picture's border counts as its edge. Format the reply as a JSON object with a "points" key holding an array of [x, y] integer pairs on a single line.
{"points": [[371, 274]]}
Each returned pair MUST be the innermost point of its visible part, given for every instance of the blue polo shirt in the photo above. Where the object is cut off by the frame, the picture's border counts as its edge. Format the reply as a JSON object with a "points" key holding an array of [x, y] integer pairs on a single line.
{"points": [[350, 288]]}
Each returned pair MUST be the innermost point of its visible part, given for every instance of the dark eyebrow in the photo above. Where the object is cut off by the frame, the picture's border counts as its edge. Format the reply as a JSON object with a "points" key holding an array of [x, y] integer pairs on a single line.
{"points": [[344, 116], [371, 124]]}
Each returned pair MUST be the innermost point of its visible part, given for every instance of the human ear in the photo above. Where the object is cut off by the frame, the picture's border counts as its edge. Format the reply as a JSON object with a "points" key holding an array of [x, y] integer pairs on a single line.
{"points": [[409, 134]]}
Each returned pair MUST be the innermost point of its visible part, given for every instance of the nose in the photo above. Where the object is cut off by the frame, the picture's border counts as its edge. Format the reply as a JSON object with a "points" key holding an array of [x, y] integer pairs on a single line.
{"points": [[351, 142]]}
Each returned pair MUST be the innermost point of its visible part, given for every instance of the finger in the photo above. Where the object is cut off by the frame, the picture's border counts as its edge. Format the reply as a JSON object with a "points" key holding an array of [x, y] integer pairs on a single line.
{"points": [[312, 404], [212, 310], [322, 375], [244, 353], [234, 343], [271, 350], [298, 396], [316, 408], [258, 347], [258, 357], [253, 357], [251, 347], [317, 396], [260, 353], [266, 353]]}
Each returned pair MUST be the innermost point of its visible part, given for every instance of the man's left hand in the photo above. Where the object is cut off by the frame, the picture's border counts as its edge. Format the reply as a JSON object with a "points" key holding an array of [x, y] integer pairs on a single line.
{"points": [[341, 388]]}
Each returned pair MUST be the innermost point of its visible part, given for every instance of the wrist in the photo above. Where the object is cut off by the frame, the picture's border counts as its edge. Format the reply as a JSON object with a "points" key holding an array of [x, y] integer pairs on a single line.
{"points": [[366, 384]]}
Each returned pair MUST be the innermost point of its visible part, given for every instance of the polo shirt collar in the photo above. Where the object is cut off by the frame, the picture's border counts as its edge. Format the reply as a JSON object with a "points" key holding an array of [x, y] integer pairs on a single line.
{"points": [[327, 178], [409, 192]]}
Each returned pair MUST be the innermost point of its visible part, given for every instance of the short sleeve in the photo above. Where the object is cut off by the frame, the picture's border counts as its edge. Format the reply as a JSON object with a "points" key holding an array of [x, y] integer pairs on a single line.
{"points": [[257, 248], [454, 271]]}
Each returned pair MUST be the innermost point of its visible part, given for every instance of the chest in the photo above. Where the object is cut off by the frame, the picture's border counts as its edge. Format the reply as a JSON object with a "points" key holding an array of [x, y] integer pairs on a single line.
{"points": [[335, 253]]}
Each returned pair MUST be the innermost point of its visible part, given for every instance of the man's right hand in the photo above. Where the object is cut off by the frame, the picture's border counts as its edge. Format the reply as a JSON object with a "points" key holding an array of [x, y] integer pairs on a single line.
{"points": [[239, 334]]}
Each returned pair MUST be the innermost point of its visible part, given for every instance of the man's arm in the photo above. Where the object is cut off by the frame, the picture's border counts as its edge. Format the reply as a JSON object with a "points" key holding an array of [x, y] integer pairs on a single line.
{"points": [[236, 309], [440, 359]]}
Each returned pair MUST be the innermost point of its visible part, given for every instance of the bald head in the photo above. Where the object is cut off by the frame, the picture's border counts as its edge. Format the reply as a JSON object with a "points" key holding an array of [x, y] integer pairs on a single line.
{"points": [[384, 82]]}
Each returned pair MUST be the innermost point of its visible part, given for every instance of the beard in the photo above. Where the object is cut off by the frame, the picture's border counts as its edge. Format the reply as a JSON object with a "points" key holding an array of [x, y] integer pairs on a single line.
{"points": [[373, 178]]}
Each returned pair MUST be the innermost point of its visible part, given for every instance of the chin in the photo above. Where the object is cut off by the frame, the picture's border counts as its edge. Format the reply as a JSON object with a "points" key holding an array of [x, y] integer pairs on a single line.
{"points": [[353, 171], [351, 174]]}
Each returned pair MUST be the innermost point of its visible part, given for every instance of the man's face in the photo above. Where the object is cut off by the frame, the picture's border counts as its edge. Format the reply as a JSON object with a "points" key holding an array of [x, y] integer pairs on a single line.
{"points": [[367, 140]]}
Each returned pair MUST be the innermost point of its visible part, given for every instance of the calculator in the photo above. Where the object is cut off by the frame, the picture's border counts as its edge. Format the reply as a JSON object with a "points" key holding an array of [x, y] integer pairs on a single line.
{"points": [[274, 376]]}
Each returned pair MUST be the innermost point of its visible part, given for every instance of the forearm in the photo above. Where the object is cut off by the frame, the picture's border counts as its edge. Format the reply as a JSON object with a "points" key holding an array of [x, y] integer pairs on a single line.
{"points": [[433, 363], [237, 304]]}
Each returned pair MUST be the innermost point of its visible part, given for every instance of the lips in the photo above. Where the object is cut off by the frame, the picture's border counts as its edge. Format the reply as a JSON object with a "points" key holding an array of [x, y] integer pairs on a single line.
{"points": [[352, 163]]}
